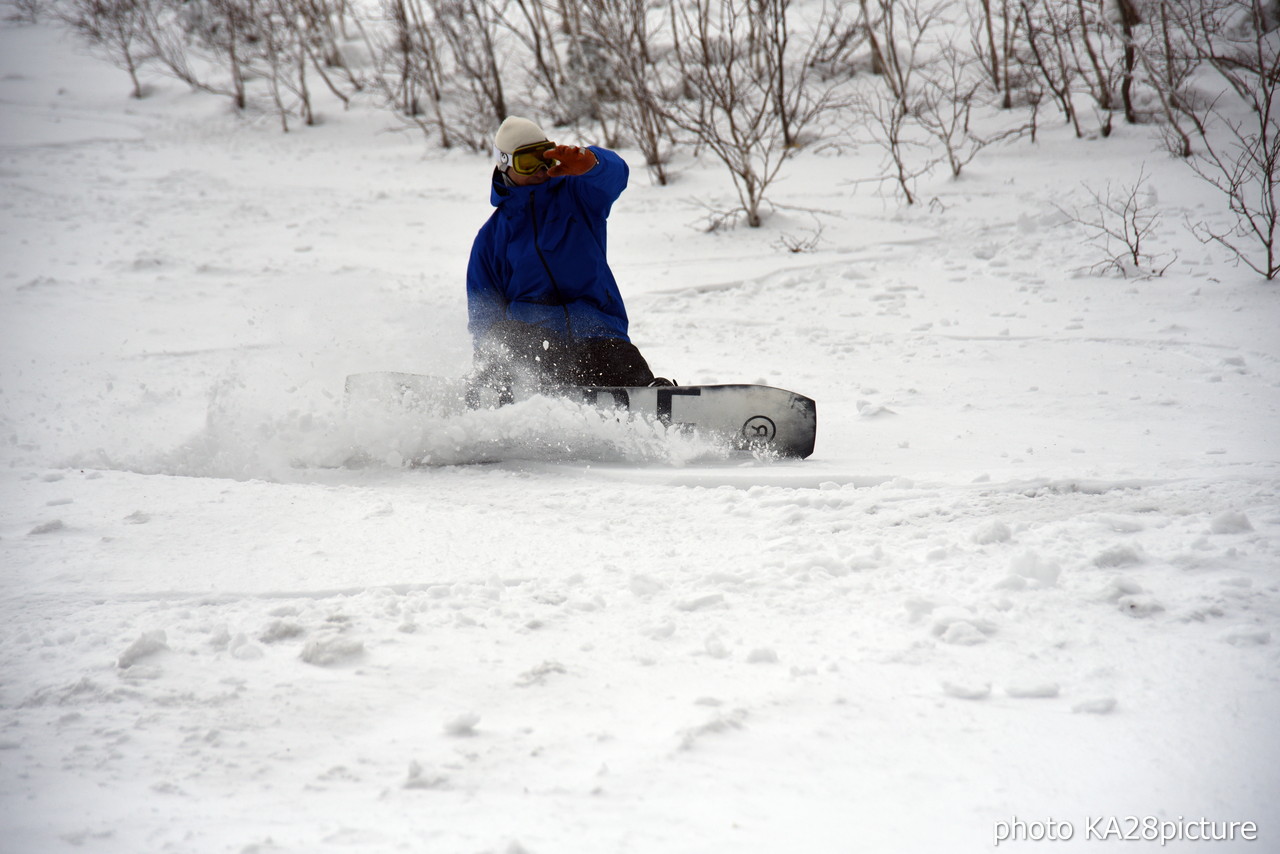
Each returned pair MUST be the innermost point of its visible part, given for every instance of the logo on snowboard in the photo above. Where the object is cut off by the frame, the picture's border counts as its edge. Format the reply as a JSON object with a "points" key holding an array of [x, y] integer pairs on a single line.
{"points": [[759, 429]]}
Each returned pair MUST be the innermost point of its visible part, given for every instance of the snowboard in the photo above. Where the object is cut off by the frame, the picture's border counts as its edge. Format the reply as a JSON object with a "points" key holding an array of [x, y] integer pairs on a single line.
{"points": [[750, 417]]}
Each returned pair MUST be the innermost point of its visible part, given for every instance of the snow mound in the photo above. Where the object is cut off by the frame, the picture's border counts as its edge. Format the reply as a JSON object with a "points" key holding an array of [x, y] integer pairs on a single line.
{"points": [[145, 646]]}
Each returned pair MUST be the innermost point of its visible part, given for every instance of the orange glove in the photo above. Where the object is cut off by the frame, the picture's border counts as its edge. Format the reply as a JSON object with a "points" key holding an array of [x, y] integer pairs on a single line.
{"points": [[572, 160]]}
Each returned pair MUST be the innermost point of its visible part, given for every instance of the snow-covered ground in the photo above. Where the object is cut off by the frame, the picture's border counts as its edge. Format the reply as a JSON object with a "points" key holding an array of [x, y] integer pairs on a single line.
{"points": [[1032, 570]]}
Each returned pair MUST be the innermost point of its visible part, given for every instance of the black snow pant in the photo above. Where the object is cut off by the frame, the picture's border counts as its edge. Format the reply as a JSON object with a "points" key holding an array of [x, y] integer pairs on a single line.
{"points": [[555, 362]]}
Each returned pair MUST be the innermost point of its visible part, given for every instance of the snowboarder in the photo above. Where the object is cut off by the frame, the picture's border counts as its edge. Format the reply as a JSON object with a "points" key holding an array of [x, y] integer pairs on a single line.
{"points": [[540, 294]]}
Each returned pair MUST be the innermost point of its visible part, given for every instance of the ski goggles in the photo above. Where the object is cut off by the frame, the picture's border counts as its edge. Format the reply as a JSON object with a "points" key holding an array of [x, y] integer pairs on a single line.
{"points": [[527, 159]]}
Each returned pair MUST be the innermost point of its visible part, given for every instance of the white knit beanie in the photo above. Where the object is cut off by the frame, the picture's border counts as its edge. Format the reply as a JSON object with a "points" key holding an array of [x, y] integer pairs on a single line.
{"points": [[514, 133]]}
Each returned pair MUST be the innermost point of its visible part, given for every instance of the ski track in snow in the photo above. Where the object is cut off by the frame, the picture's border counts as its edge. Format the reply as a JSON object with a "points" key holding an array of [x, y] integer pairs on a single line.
{"points": [[1030, 571]]}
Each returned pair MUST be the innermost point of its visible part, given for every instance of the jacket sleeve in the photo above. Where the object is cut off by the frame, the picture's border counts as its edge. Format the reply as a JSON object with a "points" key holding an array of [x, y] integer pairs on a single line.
{"points": [[486, 304], [600, 187]]}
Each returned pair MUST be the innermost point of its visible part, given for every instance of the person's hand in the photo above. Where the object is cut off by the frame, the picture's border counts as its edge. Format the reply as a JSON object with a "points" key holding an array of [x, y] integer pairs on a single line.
{"points": [[572, 160]]}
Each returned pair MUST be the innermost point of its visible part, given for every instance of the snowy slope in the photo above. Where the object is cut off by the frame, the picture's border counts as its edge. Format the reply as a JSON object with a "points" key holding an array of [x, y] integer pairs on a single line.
{"points": [[1032, 570]]}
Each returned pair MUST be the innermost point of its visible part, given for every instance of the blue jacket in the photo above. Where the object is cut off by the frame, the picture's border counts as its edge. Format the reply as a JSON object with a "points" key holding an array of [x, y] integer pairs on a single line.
{"points": [[540, 258]]}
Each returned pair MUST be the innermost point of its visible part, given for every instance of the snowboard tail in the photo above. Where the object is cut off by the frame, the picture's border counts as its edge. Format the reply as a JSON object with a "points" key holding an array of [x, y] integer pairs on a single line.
{"points": [[749, 417]]}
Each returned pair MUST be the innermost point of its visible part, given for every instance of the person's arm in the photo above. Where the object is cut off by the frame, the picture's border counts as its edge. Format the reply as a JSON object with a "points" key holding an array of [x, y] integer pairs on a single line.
{"points": [[602, 181]]}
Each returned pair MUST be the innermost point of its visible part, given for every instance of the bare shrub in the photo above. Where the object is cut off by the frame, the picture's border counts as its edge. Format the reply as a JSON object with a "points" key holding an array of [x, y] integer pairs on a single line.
{"points": [[115, 29], [744, 107], [625, 33], [1236, 132], [948, 93], [1120, 222], [470, 30], [26, 11], [406, 67]]}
